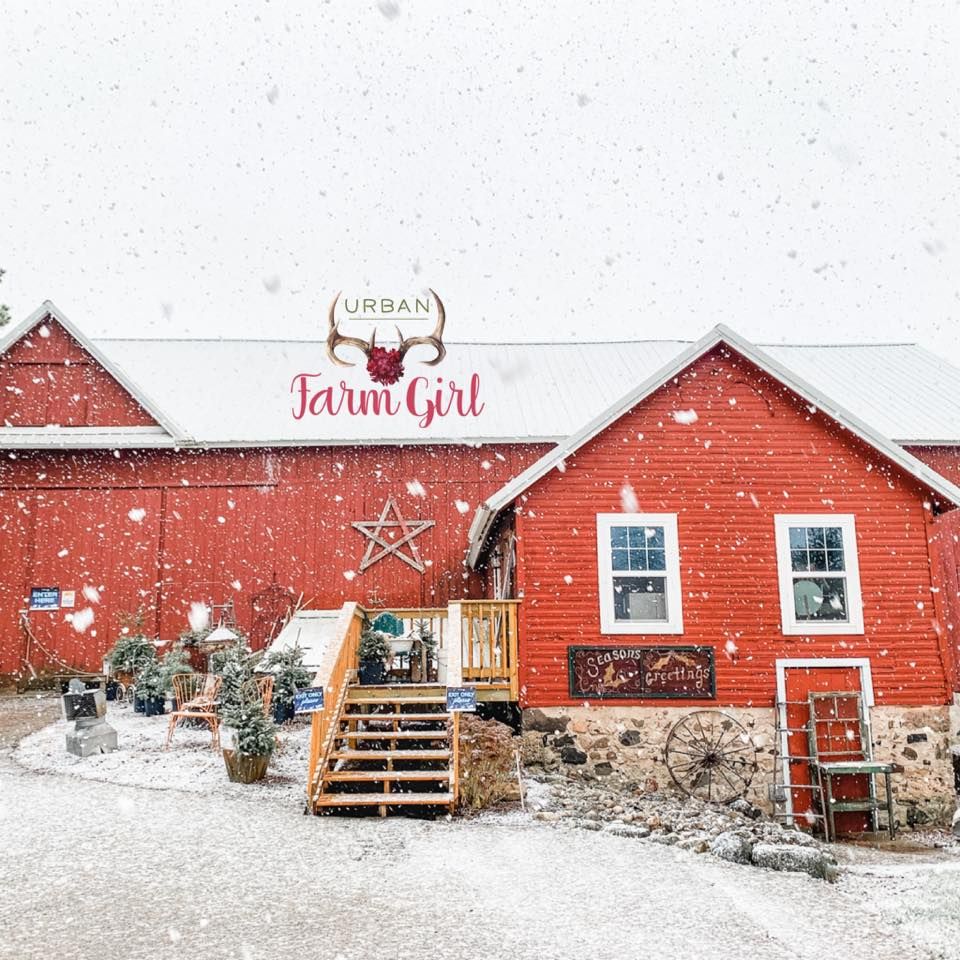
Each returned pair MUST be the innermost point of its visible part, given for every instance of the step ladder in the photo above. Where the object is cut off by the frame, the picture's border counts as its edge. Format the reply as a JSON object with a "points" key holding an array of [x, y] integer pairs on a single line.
{"points": [[392, 747]]}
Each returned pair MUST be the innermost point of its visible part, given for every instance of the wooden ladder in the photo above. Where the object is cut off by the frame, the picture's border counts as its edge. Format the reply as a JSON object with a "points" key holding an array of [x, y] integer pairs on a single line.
{"points": [[390, 747]]}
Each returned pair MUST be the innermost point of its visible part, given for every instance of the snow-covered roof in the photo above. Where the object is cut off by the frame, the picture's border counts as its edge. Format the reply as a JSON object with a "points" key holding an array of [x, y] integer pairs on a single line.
{"points": [[766, 360], [238, 392]]}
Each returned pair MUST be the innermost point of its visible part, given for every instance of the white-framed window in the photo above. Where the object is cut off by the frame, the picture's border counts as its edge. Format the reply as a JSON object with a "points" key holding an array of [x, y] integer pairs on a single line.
{"points": [[819, 573], [638, 565]]}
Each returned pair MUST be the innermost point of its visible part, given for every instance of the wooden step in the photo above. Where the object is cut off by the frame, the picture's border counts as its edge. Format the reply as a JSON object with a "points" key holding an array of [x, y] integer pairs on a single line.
{"points": [[413, 717], [382, 799], [390, 755], [391, 735], [374, 776]]}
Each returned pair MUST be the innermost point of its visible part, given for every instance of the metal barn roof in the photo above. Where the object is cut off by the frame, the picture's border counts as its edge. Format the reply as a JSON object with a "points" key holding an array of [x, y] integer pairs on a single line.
{"points": [[219, 392], [238, 392]]}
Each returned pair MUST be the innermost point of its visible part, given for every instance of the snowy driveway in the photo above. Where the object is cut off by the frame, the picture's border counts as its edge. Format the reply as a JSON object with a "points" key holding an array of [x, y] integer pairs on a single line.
{"points": [[99, 870]]}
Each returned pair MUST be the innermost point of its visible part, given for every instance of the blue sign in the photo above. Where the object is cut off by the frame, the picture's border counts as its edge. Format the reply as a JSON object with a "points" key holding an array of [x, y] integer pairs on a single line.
{"points": [[462, 699], [44, 598], [308, 701]]}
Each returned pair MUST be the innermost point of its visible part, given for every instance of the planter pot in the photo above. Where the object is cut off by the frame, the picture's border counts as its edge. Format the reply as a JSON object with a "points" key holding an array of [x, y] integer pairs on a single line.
{"points": [[372, 672], [154, 706], [282, 712], [139, 704], [244, 769]]}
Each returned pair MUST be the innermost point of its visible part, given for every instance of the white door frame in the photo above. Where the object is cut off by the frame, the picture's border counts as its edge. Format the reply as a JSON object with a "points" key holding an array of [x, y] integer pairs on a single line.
{"points": [[866, 689]]}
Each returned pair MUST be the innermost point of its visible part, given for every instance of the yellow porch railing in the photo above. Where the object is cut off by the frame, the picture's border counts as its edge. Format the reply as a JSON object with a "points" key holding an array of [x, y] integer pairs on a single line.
{"points": [[489, 643], [337, 671]]}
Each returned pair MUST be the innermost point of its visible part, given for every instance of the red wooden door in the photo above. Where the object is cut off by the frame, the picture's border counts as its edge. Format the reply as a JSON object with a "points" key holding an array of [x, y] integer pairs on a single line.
{"points": [[836, 741]]}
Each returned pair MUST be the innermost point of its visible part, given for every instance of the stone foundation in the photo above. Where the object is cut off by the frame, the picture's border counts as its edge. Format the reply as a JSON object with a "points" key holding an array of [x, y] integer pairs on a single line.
{"points": [[626, 744]]}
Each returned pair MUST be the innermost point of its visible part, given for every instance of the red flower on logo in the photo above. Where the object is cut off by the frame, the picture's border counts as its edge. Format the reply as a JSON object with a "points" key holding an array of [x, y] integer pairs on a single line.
{"points": [[385, 366]]}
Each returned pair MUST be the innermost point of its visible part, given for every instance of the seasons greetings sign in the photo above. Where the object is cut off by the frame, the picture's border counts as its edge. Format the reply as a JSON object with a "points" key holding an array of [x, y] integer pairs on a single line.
{"points": [[683, 673], [423, 397]]}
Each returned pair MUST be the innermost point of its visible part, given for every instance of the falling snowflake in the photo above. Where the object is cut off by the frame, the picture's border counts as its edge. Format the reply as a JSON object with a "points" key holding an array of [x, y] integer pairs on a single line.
{"points": [[221, 519], [137, 514], [568, 579], [461, 505], [63, 553], [235, 584], [82, 619], [198, 616], [92, 594], [416, 489], [349, 574], [628, 499], [686, 417]]}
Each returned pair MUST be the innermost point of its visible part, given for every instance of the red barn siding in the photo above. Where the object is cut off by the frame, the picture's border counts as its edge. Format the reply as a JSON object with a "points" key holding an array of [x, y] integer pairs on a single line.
{"points": [[755, 451], [285, 512], [53, 380], [945, 460]]}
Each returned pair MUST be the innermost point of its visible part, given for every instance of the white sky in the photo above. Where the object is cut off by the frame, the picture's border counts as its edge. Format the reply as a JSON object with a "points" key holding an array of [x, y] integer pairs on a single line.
{"points": [[555, 171]]}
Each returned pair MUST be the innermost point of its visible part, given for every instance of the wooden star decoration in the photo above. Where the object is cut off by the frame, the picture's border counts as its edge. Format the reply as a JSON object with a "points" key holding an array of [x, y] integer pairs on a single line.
{"points": [[374, 529]]}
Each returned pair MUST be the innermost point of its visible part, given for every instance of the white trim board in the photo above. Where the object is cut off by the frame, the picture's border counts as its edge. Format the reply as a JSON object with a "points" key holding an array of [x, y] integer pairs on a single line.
{"points": [[488, 511]]}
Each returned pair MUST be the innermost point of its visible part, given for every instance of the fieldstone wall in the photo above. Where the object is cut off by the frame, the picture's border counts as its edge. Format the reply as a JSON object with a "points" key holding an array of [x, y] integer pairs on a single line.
{"points": [[625, 745], [919, 739]]}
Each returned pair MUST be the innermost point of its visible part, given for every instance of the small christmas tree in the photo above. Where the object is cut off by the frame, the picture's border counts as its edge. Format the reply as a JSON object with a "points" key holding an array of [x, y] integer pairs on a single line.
{"points": [[290, 675]]}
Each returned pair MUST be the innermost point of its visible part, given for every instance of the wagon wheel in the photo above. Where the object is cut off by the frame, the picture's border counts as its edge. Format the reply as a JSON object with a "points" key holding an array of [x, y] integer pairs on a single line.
{"points": [[711, 756]]}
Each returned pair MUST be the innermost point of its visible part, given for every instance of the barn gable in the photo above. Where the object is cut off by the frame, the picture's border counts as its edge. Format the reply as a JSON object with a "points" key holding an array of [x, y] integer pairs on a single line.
{"points": [[485, 519], [55, 380]]}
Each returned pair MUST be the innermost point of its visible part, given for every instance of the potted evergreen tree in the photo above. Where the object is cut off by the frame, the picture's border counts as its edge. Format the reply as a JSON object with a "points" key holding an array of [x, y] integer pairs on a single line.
{"points": [[248, 737], [289, 676], [373, 652], [151, 688]]}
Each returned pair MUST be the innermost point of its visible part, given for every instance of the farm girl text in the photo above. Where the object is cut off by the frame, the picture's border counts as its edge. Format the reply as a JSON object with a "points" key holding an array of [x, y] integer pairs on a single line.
{"points": [[419, 398]]}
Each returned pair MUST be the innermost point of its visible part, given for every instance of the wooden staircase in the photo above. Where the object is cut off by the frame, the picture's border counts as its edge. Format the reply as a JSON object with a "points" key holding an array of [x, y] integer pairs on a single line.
{"points": [[388, 747]]}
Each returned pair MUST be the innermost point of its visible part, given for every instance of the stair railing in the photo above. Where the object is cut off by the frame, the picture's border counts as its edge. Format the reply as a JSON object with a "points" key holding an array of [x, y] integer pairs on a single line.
{"points": [[338, 669]]}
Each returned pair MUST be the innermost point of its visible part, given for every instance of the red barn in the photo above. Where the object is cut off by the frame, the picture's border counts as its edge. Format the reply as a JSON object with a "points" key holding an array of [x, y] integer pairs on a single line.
{"points": [[732, 529]]}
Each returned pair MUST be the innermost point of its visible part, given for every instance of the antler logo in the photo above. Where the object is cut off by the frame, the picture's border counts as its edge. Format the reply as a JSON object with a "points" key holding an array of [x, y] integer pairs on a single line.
{"points": [[386, 365]]}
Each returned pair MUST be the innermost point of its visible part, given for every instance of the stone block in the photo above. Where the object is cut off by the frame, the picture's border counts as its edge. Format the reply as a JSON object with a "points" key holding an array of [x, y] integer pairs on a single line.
{"points": [[88, 739], [795, 859]]}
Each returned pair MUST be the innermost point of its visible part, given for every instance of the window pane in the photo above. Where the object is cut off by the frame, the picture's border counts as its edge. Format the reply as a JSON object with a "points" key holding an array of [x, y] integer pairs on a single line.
{"points": [[835, 560], [798, 538], [640, 598], [834, 538], [654, 537], [656, 560], [638, 560], [619, 559], [636, 536], [618, 537], [820, 598], [798, 560], [818, 560], [815, 537]]}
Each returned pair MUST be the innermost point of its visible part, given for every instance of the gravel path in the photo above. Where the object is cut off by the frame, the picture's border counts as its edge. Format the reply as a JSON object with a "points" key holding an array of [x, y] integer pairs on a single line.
{"points": [[97, 870]]}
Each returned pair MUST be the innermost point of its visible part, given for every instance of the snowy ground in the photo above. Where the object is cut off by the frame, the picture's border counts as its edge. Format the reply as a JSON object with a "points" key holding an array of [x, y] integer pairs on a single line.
{"points": [[103, 869], [190, 765]]}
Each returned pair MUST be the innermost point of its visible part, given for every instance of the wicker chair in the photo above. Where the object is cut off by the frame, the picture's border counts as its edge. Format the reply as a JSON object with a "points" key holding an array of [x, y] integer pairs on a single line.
{"points": [[195, 695], [260, 688]]}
